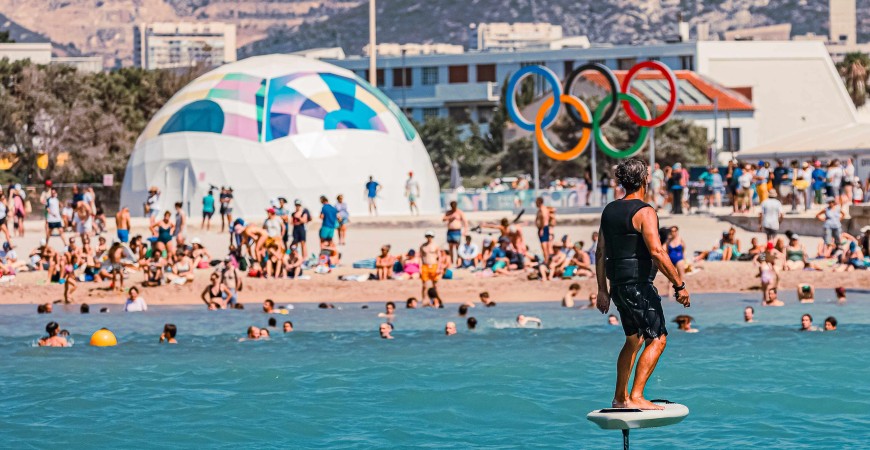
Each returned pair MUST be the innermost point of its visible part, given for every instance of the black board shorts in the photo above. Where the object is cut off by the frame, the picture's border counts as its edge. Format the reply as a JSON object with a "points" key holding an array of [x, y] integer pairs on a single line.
{"points": [[640, 309]]}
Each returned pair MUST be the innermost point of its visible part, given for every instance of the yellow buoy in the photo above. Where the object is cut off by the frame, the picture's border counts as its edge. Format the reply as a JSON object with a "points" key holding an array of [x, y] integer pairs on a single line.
{"points": [[103, 338]]}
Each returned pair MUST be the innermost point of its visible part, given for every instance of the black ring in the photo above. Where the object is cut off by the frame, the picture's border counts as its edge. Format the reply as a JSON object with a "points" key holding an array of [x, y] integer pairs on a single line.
{"points": [[614, 92]]}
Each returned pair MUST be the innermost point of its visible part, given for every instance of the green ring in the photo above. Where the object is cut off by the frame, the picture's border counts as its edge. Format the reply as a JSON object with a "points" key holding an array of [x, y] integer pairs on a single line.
{"points": [[605, 146]]}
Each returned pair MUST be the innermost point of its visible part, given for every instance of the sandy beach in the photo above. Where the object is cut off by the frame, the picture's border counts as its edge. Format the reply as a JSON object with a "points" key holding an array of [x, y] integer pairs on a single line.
{"points": [[367, 234]]}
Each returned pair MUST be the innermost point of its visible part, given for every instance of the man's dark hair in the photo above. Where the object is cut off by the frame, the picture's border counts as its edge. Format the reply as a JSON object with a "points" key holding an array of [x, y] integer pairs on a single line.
{"points": [[85, 309], [270, 303], [51, 328], [291, 323], [273, 322], [472, 323], [833, 321], [170, 329], [807, 315], [390, 304], [178, 204], [40, 309], [631, 174], [409, 301], [463, 310]]}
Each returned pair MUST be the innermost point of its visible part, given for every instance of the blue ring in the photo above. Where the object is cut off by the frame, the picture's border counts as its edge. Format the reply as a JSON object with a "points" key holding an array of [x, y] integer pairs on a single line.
{"points": [[512, 91]]}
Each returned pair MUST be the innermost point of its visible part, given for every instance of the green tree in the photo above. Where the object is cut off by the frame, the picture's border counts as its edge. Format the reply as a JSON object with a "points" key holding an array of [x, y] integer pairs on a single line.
{"points": [[446, 141], [855, 72]]}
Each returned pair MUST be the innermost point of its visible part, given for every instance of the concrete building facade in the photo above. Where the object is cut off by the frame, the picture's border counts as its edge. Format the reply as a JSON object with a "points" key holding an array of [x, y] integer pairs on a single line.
{"points": [[167, 45]]}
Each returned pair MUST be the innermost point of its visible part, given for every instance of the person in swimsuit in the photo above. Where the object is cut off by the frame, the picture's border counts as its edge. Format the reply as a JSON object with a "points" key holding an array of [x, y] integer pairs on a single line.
{"points": [[430, 255], [122, 224], [456, 226], [343, 219], [542, 221], [54, 339], [226, 208], [216, 291], [675, 249], [767, 274], [163, 229], [629, 255]]}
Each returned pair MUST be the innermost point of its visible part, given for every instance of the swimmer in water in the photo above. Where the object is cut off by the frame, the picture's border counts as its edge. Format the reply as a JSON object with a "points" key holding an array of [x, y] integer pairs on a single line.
{"points": [[168, 335], [411, 303], [471, 322], [268, 306], [840, 291], [386, 330], [450, 329], [806, 293], [807, 323], [288, 327], [568, 299], [684, 323], [53, 339], [748, 314], [593, 302], [253, 334], [831, 323], [390, 312], [264, 333], [612, 320], [525, 320], [484, 298], [463, 310], [773, 299]]}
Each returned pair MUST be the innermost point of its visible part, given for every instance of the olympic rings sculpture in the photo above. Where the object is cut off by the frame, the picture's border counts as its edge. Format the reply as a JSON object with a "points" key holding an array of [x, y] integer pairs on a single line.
{"points": [[592, 122]]}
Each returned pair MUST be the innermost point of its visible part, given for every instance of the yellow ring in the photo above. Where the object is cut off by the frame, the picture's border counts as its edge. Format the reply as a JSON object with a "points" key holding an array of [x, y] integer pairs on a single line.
{"points": [[584, 137]]}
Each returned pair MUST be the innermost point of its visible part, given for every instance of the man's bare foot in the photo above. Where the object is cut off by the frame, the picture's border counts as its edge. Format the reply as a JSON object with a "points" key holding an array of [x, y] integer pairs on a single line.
{"points": [[637, 403]]}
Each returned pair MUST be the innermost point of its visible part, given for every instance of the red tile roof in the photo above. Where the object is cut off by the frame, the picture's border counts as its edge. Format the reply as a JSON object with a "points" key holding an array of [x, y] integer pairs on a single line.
{"points": [[729, 99]]}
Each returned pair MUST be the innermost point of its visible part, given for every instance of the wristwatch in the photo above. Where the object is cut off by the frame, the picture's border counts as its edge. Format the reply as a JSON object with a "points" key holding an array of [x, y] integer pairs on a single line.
{"points": [[680, 287]]}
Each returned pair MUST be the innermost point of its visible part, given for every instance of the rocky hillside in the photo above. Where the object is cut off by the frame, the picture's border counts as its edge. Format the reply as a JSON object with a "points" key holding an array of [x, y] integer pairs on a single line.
{"points": [[105, 27]]}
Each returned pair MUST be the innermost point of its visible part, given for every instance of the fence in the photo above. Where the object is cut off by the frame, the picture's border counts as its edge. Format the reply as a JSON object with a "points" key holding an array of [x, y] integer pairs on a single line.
{"points": [[483, 200]]}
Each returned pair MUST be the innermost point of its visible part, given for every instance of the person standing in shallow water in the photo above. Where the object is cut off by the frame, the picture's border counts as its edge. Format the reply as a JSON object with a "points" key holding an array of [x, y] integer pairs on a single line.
{"points": [[628, 256]]}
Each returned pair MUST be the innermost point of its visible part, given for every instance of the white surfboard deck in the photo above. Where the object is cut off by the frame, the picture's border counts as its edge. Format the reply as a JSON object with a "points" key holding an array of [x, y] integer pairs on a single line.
{"points": [[627, 418]]}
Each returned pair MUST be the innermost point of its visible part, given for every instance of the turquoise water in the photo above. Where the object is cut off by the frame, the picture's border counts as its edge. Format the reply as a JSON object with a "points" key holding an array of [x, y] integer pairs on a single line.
{"points": [[334, 384]]}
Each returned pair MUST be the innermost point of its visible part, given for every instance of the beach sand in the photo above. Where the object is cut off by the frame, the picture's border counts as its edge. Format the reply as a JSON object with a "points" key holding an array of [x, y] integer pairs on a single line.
{"points": [[366, 235]]}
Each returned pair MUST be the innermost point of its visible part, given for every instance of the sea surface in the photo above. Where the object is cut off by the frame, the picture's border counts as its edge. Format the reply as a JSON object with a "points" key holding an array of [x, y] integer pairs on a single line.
{"points": [[333, 383]]}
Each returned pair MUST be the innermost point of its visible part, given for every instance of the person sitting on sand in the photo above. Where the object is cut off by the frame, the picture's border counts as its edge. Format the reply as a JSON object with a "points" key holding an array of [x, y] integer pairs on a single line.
{"points": [[684, 323], [389, 311], [807, 323], [154, 270], [135, 303], [831, 323], [182, 269], [469, 254], [522, 321], [450, 329], [293, 262], [384, 264], [484, 298], [806, 293], [568, 299], [53, 339], [748, 314], [499, 262], [386, 330], [581, 261], [168, 335], [772, 299], [796, 255], [730, 245]]}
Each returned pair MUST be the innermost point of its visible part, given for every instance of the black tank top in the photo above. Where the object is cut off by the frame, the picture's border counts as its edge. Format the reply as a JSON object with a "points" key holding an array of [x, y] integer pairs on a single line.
{"points": [[628, 260]]}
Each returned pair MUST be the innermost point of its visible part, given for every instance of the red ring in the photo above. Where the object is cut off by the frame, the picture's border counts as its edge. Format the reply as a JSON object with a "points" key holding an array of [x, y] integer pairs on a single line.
{"points": [[672, 103]]}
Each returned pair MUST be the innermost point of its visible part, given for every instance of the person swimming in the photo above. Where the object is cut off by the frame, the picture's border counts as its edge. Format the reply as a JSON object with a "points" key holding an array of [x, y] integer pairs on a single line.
{"points": [[807, 323], [450, 329], [168, 335], [684, 323], [748, 314], [53, 339], [522, 321], [386, 330], [830, 323]]}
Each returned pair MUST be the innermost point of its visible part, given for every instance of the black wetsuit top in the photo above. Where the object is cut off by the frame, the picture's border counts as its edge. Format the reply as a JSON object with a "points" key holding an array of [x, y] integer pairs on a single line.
{"points": [[628, 260]]}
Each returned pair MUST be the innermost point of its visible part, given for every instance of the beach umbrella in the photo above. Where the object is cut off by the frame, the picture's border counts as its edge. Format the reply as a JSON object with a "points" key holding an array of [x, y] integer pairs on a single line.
{"points": [[455, 176]]}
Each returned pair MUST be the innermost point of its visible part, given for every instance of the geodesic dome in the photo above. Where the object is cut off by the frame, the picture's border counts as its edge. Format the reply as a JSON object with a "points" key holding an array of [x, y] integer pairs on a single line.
{"points": [[279, 125]]}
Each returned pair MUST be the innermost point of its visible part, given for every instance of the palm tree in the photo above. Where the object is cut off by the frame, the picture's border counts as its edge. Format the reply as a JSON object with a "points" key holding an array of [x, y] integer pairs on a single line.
{"points": [[855, 71]]}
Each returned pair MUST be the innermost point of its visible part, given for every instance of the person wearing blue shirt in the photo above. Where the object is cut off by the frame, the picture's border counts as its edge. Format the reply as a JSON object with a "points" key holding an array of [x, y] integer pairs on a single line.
{"points": [[819, 177], [373, 188], [207, 210], [328, 220]]}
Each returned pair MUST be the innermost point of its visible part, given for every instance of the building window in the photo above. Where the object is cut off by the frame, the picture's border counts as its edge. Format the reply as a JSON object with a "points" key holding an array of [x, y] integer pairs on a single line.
{"points": [[430, 76], [402, 80], [625, 63], [457, 74], [484, 114], [486, 73], [687, 62], [533, 63], [380, 75], [569, 67], [731, 139], [653, 58], [430, 113], [459, 114]]}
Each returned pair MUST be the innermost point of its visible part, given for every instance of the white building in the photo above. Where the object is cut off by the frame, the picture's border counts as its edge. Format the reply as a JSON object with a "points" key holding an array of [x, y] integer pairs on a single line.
{"points": [[86, 64], [842, 21], [393, 49], [167, 45], [279, 125], [500, 36], [37, 53]]}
